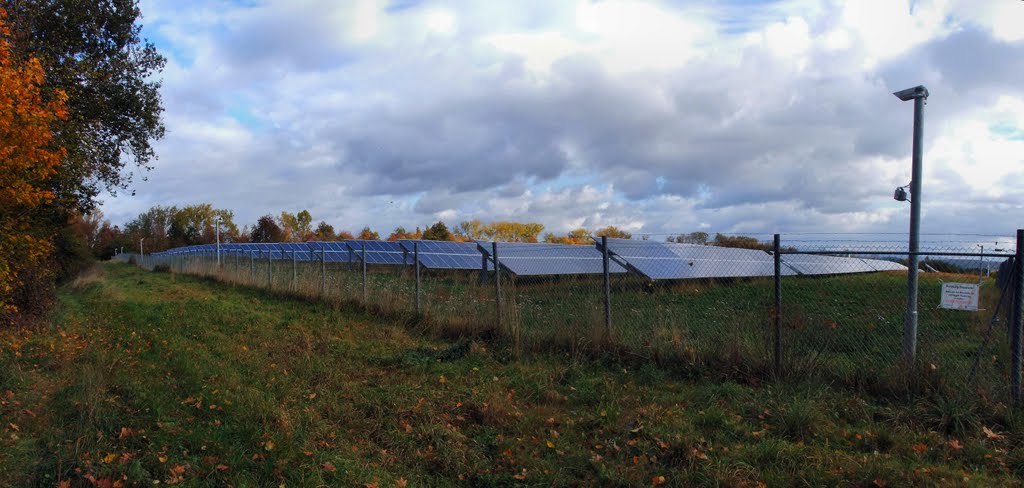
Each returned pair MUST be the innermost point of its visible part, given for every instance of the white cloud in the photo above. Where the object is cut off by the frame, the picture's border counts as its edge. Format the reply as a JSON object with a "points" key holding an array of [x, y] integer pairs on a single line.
{"points": [[645, 115]]}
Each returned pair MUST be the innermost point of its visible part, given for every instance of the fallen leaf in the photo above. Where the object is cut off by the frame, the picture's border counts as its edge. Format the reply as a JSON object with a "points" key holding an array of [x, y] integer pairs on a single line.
{"points": [[329, 467], [125, 433], [109, 458], [269, 445], [658, 480], [920, 448], [990, 434], [401, 482], [221, 467], [520, 476], [955, 444], [879, 482], [551, 445], [64, 484]]}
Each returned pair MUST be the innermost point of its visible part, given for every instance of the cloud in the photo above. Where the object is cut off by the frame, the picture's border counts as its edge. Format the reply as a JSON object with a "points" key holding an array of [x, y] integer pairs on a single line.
{"points": [[649, 116]]}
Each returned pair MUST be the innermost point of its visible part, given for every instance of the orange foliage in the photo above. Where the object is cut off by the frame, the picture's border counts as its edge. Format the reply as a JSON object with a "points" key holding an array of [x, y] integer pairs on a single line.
{"points": [[27, 160]]}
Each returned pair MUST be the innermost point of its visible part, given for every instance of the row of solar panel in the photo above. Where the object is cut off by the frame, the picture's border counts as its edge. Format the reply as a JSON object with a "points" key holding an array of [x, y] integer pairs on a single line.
{"points": [[654, 260]]}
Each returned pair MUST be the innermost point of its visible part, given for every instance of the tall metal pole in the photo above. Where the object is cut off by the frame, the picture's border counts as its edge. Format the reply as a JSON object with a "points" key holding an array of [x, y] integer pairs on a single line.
{"points": [[270, 270], [919, 94], [777, 254], [416, 258], [607, 289], [323, 271], [1018, 319], [142, 255], [981, 263], [295, 273]]}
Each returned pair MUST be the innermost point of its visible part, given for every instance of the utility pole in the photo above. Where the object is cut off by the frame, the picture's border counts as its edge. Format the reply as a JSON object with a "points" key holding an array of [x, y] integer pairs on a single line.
{"points": [[919, 94]]}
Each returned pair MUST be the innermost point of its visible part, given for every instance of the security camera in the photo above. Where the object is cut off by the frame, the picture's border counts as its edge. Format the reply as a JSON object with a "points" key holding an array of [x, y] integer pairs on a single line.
{"points": [[900, 195], [911, 93]]}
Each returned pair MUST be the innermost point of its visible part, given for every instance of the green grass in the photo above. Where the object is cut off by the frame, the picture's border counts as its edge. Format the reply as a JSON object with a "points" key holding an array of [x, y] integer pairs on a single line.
{"points": [[147, 377]]}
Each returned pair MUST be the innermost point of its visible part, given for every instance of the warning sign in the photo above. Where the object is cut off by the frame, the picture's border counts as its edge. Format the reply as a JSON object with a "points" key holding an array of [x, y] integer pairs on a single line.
{"points": [[959, 296]]}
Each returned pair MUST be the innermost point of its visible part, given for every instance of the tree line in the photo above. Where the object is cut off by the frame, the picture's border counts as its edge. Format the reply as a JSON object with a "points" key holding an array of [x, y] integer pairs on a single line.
{"points": [[79, 109]]}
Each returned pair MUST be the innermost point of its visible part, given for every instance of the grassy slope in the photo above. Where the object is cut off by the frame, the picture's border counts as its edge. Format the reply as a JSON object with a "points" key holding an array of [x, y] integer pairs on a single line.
{"points": [[144, 377]]}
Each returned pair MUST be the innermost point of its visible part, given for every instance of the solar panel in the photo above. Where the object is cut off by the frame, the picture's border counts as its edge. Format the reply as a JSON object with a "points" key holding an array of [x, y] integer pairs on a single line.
{"points": [[333, 251], [884, 265], [673, 261], [380, 252], [813, 264], [534, 259], [446, 255]]}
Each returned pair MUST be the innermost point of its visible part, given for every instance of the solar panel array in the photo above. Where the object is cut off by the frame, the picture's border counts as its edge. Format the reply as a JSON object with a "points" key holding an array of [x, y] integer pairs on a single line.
{"points": [[652, 259], [674, 261], [447, 255], [531, 259]]}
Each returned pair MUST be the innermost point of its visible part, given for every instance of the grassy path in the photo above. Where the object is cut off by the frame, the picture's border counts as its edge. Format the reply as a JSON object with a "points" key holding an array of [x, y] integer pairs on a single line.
{"points": [[148, 379]]}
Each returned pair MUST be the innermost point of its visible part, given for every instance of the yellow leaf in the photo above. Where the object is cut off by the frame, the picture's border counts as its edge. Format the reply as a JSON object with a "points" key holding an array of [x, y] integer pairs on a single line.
{"points": [[269, 445], [551, 445], [990, 434], [109, 458]]}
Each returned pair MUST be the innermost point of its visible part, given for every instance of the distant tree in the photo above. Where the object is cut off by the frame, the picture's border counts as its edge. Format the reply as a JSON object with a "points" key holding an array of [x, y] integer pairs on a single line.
{"points": [[614, 232], [437, 232], [368, 235], [345, 235], [691, 238], [324, 232], [266, 230], [399, 233], [470, 230], [506, 231], [577, 236], [743, 242], [196, 224]]}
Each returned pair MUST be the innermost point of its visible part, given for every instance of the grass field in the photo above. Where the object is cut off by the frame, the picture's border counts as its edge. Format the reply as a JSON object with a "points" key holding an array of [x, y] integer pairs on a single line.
{"points": [[153, 377], [845, 328]]}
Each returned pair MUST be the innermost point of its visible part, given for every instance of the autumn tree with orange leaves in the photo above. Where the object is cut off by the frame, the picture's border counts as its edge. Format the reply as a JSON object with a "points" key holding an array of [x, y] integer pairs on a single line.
{"points": [[28, 159]]}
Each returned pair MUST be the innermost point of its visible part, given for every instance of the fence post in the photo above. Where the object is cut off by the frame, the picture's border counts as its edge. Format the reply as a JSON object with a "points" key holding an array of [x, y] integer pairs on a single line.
{"points": [[1018, 315], [497, 283], [777, 254], [607, 289], [295, 275], [483, 268], [252, 268], [323, 271], [364, 271], [270, 269], [416, 262]]}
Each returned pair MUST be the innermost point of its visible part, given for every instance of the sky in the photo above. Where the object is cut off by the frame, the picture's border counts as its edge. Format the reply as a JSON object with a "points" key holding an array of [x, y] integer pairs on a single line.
{"points": [[733, 116]]}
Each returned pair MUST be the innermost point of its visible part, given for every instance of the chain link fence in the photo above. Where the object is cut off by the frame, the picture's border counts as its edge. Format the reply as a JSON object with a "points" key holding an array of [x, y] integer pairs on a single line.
{"points": [[803, 308]]}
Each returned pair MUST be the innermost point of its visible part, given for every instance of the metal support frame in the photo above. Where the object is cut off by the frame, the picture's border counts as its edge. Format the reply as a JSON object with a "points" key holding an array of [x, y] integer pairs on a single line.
{"points": [[1018, 319], [497, 283], [363, 259], [777, 255], [416, 263], [606, 265]]}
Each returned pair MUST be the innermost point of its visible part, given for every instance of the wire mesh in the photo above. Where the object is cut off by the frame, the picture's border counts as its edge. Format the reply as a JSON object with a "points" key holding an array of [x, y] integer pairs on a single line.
{"points": [[684, 304]]}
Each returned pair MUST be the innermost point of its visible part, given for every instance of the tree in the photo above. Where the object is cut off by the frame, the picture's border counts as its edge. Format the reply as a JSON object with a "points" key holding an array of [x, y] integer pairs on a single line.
{"points": [[512, 231], [700, 238], [368, 235], [613, 232], [266, 230], [91, 51], [470, 230], [345, 235], [577, 236], [437, 232], [29, 160], [324, 232], [744, 242]]}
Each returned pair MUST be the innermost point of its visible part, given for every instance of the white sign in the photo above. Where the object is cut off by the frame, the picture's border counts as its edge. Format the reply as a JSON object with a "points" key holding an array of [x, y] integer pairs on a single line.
{"points": [[959, 296]]}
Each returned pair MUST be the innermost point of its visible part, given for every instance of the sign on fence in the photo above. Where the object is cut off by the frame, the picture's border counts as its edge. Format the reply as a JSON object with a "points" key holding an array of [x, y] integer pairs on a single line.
{"points": [[959, 296]]}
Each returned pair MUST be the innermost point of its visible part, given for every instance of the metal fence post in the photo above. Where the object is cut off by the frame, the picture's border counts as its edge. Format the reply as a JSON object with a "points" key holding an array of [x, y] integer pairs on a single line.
{"points": [[270, 270], [607, 289], [252, 268], [777, 254], [497, 283], [1018, 316], [363, 259], [295, 273], [416, 258], [323, 271]]}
